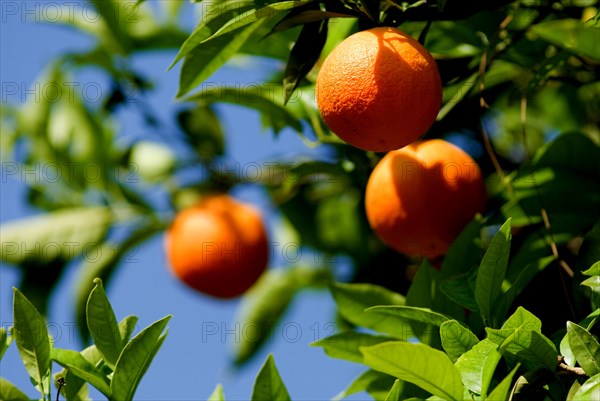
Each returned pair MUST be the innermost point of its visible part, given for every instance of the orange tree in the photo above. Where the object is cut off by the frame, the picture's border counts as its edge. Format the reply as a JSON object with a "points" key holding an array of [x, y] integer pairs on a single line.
{"points": [[510, 310]]}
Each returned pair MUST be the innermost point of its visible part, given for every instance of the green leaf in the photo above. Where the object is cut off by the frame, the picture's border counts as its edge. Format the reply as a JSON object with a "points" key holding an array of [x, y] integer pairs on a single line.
{"points": [[375, 383], [203, 131], [77, 390], [114, 15], [268, 384], [346, 345], [419, 364], [10, 392], [590, 390], [217, 394], [75, 363], [465, 252], [594, 270], [5, 341], [502, 390], [491, 273], [461, 289], [251, 16], [207, 58], [215, 17], [304, 55], [530, 346], [102, 323], [585, 348], [353, 299], [267, 100], [571, 34], [265, 303], [61, 234], [456, 339], [135, 360], [31, 336], [395, 393], [126, 328], [477, 366]]}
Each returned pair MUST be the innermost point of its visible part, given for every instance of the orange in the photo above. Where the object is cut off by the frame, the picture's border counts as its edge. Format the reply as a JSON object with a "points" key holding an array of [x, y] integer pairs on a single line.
{"points": [[218, 247], [379, 89], [419, 198]]}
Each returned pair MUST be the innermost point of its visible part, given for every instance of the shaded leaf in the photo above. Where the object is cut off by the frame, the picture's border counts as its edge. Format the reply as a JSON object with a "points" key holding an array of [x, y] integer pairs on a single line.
{"points": [[377, 384], [585, 348], [491, 273], [5, 341], [502, 390], [10, 392], [31, 336], [268, 384], [75, 363], [571, 34], [126, 328]]}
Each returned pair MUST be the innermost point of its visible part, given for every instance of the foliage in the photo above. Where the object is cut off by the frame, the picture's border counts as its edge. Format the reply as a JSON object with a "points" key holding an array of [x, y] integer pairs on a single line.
{"points": [[521, 94]]}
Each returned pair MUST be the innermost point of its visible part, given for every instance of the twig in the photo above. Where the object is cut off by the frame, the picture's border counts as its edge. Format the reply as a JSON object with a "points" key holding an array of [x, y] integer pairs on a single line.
{"points": [[564, 369], [61, 382]]}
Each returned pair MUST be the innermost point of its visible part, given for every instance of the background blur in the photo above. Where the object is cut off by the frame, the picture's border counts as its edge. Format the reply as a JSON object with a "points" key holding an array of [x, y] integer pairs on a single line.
{"points": [[195, 356]]}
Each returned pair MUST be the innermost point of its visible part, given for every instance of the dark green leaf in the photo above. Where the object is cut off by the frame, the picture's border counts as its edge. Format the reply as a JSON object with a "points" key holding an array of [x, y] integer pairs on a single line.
{"points": [[590, 390], [571, 34], [10, 392], [456, 339], [346, 345], [203, 131], [419, 364], [31, 336], [461, 289], [268, 100], [206, 58], [5, 341], [585, 348], [491, 273], [306, 17], [304, 55], [136, 358], [102, 324], [38, 238], [353, 299], [115, 15], [477, 366], [268, 384], [465, 252], [271, 11], [75, 363]]}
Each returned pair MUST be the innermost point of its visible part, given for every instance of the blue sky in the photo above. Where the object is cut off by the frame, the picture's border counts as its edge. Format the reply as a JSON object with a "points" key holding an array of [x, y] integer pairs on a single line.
{"points": [[191, 360]]}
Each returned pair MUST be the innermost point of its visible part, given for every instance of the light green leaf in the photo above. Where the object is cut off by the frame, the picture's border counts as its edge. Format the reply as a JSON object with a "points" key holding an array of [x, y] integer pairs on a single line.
{"points": [[5, 341], [36, 238], [524, 320], [492, 272], [207, 58], [419, 364], [347, 345], [531, 346], [217, 394], [377, 384], [585, 348], [353, 299], [10, 392], [31, 336], [75, 363], [126, 328], [477, 366], [502, 390], [594, 270], [590, 390], [571, 34], [396, 392], [456, 339], [135, 360], [102, 323], [268, 384]]}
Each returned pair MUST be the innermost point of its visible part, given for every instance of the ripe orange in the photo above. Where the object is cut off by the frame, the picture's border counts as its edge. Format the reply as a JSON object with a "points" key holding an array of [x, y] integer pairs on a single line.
{"points": [[379, 89], [218, 247], [420, 197]]}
